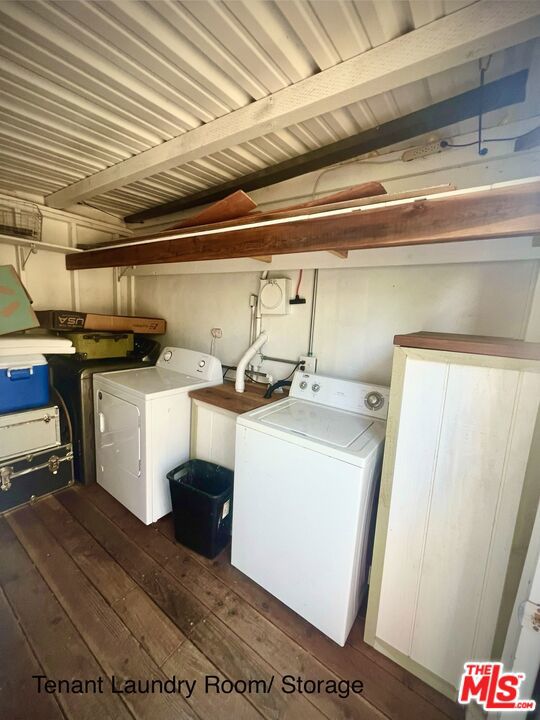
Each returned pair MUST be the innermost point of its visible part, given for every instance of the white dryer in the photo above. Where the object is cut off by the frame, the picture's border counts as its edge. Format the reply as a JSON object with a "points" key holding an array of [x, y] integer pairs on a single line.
{"points": [[143, 423], [306, 473]]}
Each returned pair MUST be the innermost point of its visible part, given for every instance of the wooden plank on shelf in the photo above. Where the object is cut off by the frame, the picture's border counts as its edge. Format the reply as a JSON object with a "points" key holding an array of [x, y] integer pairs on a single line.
{"points": [[505, 210], [55, 640], [232, 206], [312, 209], [354, 192], [206, 218], [235, 205]]}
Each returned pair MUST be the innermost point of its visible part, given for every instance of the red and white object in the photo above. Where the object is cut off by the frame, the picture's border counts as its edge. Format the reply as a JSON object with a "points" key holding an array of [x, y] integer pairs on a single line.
{"points": [[306, 473], [143, 423]]}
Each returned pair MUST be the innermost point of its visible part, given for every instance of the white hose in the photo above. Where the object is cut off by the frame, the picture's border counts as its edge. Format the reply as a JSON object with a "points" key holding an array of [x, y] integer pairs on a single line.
{"points": [[252, 350]]}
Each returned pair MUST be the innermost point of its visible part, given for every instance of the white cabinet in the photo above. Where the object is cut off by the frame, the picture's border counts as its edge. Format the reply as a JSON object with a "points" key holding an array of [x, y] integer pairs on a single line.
{"points": [[459, 432], [213, 433]]}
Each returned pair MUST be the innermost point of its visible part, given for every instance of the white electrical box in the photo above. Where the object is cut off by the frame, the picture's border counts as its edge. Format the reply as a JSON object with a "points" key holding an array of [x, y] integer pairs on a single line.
{"points": [[274, 295]]}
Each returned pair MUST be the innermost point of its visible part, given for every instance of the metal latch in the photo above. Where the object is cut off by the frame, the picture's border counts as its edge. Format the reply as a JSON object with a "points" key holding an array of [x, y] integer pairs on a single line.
{"points": [[5, 478], [54, 464]]}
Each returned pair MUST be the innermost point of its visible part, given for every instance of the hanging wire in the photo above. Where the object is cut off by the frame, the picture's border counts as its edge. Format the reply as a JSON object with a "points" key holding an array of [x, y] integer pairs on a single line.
{"points": [[300, 273], [483, 66], [447, 144]]}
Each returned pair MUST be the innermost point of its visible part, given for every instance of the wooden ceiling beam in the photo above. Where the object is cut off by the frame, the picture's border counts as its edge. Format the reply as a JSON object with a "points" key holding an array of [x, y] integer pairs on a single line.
{"points": [[502, 210]]}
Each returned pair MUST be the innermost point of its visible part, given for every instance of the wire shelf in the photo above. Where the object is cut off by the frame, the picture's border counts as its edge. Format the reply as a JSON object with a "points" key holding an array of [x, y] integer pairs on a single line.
{"points": [[21, 221]]}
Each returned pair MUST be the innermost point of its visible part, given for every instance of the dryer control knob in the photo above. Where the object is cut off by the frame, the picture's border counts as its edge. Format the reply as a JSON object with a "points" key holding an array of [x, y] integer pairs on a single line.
{"points": [[202, 363], [303, 385], [315, 387]]}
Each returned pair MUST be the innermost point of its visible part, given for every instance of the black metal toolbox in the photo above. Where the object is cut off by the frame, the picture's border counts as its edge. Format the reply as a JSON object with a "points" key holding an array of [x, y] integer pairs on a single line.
{"points": [[24, 478]]}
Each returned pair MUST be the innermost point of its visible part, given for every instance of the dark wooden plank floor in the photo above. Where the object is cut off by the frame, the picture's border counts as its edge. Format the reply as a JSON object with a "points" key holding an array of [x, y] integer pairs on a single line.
{"points": [[88, 591]]}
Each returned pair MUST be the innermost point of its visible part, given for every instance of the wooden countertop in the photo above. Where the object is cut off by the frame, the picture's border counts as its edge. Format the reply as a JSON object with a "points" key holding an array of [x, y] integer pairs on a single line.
{"points": [[226, 397], [475, 344]]}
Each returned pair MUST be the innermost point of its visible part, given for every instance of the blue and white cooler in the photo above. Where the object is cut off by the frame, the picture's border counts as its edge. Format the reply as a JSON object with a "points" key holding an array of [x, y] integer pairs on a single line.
{"points": [[24, 373], [24, 382]]}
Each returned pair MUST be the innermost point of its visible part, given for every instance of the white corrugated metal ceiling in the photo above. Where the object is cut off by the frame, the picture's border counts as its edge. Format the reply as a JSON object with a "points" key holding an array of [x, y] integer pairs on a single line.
{"points": [[86, 85]]}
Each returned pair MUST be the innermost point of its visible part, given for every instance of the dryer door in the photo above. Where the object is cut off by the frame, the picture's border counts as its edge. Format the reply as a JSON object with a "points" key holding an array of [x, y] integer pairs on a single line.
{"points": [[118, 451], [119, 433]]}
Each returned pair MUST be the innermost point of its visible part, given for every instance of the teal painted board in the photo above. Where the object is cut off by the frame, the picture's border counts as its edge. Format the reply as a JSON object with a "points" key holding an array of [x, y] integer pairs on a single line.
{"points": [[15, 306]]}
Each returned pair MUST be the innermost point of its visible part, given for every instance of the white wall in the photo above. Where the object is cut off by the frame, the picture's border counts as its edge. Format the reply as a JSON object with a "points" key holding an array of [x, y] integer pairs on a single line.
{"points": [[45, 276], [483, 287], [359, 310]]}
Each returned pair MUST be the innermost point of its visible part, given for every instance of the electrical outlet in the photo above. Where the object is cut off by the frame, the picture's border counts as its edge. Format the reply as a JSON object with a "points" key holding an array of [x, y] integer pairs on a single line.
{"points": [[308, 363]]}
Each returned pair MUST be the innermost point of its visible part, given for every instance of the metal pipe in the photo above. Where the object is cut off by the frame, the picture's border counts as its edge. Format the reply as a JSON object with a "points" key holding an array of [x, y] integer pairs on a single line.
{"points": [[253, 299], [280, 360], [313, 311]]}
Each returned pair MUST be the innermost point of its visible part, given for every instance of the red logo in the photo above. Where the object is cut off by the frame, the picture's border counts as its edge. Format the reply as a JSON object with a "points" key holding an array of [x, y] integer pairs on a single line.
{"points": [[487, 684]]}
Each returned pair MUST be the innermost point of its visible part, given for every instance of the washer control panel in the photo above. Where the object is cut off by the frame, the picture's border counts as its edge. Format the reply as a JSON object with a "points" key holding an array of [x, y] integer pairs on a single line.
{"points": [[190, 362], [343, 394]]}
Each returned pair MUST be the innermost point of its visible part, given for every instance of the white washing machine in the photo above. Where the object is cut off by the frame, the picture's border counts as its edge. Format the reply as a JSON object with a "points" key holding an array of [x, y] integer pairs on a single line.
{"points": [[306, 473], [142, 421]]}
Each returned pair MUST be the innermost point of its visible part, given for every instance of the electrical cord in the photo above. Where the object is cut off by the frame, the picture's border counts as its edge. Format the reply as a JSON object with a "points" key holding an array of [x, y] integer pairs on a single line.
{"points": [[295, 368], [258, 382], [66, 413], [445, 143], [228, 368], [252, 379]]}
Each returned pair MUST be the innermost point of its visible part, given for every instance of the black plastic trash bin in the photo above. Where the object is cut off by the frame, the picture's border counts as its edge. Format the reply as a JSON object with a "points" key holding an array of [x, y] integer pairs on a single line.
{"points": [[201, 495]]}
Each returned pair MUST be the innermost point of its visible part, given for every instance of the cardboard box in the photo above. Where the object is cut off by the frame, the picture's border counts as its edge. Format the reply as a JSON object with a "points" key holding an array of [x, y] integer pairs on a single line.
{"points": [[15, 304], [69, 320]]}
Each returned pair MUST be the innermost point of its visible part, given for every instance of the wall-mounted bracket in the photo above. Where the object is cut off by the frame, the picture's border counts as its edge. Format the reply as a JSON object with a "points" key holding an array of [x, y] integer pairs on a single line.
{"points": [[31, 251], [122, 271]]}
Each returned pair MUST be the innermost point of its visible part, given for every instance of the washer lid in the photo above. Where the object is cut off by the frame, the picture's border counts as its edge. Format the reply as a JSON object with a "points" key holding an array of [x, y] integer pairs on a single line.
{"points": [[318, 422]]}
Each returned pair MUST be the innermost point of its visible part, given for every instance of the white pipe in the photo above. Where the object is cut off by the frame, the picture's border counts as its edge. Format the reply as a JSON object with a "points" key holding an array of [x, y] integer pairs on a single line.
{"points": [[252, 350]]}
